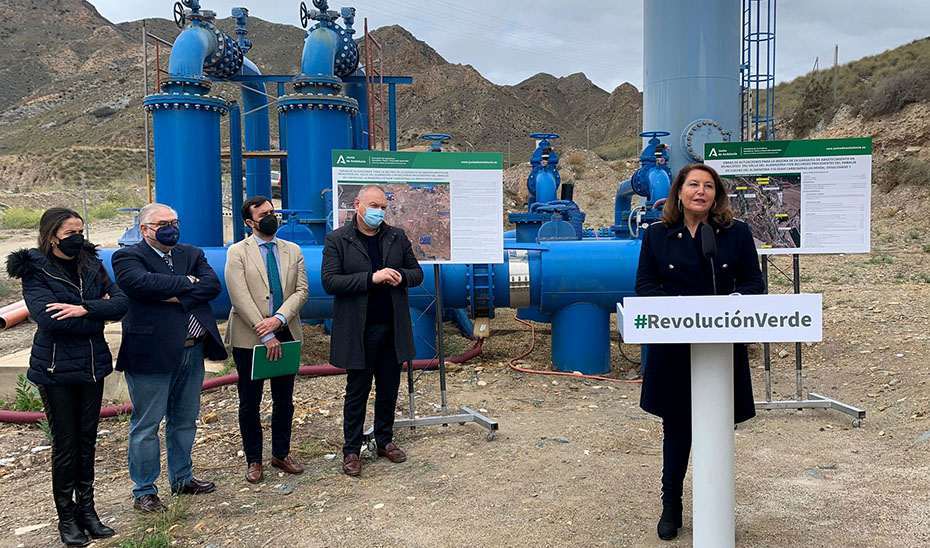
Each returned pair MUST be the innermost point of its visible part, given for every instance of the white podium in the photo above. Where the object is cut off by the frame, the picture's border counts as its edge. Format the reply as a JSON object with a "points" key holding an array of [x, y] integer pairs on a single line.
{"points": [[711, 325]]}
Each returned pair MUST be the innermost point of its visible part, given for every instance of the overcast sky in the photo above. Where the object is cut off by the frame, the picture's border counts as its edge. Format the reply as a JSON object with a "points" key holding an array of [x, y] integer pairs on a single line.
{"points": [[509, 41]]}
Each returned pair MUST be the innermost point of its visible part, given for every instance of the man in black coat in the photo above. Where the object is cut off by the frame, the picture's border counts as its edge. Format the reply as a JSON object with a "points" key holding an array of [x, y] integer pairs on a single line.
{"points": [[166, 334], [368, 266]]}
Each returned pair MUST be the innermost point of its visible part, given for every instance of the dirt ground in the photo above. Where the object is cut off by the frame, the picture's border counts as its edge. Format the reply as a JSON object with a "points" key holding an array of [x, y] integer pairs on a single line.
{"points": [[576, 463]]}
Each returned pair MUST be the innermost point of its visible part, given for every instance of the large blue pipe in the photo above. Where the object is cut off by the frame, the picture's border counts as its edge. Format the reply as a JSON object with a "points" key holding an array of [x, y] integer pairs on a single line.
{"points": [[358, 91], [257, 133], [191, 49]]}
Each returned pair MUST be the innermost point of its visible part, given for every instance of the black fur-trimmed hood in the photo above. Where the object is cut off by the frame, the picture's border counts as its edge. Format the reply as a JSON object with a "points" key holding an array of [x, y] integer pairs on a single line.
{"points": [[25, 262]]}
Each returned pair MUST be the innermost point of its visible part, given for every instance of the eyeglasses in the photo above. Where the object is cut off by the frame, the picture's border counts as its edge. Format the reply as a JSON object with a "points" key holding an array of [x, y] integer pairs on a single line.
{"points": [[162, 224]]}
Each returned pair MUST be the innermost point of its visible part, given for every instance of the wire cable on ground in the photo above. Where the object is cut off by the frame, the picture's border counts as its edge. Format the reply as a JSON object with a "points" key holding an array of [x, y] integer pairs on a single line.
{"points": [[24, 417], [513, 365]]}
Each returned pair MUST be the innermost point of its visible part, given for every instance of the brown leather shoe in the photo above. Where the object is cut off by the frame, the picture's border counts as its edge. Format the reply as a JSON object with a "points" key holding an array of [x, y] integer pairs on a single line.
{"points": [[351, 465], [287, 464], [194, 487], [253, 473], [148, 504], [392, 452]]}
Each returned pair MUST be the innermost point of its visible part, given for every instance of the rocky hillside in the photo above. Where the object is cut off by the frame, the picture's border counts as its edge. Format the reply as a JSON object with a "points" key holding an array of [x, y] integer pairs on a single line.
{"points": [[72, 81]]}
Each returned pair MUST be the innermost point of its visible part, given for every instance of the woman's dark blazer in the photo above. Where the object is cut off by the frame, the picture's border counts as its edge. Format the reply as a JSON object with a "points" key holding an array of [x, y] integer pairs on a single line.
{"points": [[670, 264]]}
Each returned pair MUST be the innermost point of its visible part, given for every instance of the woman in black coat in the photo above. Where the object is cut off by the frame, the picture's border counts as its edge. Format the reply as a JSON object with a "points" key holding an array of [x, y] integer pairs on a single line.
{"points": [[69, 296], [671, 262]]}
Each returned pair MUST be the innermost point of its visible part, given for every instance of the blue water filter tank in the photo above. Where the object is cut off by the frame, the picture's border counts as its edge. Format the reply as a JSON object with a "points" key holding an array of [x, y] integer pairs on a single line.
{"points": [[315, 127], [190, 183]]}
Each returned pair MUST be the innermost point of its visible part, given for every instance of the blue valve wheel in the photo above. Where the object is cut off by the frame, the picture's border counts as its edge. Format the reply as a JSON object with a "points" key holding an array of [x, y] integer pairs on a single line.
{"points": [[654, 134], [546, 136], [436, 137]]}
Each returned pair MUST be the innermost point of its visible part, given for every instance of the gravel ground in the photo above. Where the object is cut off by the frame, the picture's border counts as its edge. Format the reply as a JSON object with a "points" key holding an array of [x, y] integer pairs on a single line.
{"points": [[576, 462]]}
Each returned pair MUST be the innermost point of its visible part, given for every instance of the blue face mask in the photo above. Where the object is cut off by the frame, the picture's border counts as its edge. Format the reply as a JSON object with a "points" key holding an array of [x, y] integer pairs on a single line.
{"points": [[373, 217], [168, 235]]}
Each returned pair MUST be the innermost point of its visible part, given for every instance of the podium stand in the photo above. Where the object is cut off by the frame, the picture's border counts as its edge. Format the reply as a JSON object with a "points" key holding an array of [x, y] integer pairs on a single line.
{"points": [[711, 324]]}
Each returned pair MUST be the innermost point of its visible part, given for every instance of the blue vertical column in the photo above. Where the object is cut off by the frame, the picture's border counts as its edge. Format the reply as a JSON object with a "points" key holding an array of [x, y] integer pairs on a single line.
{"points": [[235, 170], [282, 145]]}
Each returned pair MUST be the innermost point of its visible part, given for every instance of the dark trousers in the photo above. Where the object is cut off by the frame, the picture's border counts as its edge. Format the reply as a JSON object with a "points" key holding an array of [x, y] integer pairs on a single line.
{"points": [[676, 449], [380, 365], [73, 411], [250, 400]]}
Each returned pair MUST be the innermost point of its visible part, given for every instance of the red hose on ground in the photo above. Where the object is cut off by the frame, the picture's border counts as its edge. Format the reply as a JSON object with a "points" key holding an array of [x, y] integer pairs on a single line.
{"points": [[23, 417], [560, 373]]}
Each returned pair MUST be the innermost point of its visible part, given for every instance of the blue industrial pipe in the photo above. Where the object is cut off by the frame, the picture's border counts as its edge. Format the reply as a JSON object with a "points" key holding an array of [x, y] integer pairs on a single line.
{"points": [[546, 187], [190, 51], [359, 92], [257, 133], [319, 52]]}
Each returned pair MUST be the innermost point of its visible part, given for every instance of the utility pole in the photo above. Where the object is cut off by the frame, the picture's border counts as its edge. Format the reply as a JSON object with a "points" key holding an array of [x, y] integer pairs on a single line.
{"points": [[587, 144], [145, 115], [836, 56]]}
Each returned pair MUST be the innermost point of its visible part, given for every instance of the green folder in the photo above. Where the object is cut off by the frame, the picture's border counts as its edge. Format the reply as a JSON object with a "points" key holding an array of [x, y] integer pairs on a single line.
{"points": [[287, 364]]}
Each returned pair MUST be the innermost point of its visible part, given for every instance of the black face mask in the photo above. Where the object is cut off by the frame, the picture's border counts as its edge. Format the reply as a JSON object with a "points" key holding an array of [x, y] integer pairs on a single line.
{"points": [[71, 245], [268, 225]]}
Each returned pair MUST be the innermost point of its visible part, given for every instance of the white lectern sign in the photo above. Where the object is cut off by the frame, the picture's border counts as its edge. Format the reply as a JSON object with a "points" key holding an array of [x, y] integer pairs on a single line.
{"points": [[723, 319], [711, 324]]}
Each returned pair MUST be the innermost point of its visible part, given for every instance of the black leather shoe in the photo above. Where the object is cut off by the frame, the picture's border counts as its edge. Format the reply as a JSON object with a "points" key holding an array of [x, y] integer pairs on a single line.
{"points": [[71, 533], [148, 504], [194, 487], [669, 523], [89, 521]]}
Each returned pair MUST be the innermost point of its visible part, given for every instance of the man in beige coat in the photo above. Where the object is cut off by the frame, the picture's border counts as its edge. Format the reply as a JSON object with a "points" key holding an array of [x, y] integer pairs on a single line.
{"points": [[267, 284]]}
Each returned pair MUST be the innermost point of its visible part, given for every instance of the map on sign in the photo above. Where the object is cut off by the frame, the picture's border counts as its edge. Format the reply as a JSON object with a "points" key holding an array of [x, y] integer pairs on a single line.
{"points": [[770, 205], [421, 210]]}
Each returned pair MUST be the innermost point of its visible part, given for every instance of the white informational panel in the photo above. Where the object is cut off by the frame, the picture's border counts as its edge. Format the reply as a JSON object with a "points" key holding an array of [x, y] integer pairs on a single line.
{"points": [[721, 319], [450, 204], [810, 196]]}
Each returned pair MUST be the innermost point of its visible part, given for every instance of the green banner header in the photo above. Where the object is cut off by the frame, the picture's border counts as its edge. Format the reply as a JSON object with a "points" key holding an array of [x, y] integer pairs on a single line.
{"points": [[788, 149], [418, 160]]}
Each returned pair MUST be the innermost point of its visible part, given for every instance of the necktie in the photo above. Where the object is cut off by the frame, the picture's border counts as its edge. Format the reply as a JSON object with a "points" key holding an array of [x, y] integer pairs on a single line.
{"points": [[194, 329], [274, 279]]}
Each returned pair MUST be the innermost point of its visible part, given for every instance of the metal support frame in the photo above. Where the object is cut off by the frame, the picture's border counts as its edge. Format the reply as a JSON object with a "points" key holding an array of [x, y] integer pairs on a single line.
{"points": [[464, 415], [814, 400], [374, 75], [757, 71]]}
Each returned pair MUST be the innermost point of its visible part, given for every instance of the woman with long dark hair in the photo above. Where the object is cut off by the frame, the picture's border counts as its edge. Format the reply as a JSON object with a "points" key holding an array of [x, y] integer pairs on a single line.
{"points": [[70, 296], [671, 262]]}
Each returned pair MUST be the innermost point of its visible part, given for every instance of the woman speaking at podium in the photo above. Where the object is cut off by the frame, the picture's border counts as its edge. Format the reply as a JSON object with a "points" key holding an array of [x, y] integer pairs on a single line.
{"points": [[674, 261]]}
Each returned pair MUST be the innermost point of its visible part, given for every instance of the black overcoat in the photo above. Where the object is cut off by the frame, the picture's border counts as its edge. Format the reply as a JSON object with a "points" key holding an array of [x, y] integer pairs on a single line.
{"points": [[346, 273], [73, 350], [670, 264], [155, 331]]}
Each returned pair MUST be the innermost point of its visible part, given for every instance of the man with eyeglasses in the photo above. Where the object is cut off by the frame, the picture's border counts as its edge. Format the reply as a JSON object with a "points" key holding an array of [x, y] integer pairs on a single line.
{"points": [[167, 332], [368, 266]]}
